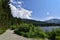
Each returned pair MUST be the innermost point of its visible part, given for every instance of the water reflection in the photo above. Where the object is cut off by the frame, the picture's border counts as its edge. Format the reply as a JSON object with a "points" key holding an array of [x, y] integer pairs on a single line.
{"points": [[50, 28]]}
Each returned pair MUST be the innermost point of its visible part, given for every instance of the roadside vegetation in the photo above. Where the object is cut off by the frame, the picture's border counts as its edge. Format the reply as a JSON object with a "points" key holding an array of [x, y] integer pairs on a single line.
{"points": [[22, 28], [30, 31]]}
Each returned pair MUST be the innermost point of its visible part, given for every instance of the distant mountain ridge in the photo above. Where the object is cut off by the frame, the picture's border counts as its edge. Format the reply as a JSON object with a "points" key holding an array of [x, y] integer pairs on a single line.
{"points": [[56, 21], [43, 23], [33, 21]]}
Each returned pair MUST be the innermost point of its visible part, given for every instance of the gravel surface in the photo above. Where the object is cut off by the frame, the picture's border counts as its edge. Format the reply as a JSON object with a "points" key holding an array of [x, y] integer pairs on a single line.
{"points": [[9, 35]]}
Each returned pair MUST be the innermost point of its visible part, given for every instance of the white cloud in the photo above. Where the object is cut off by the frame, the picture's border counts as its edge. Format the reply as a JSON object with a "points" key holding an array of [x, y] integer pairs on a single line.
{"points": [[47, 18], [19, 2], [12, 1], [22, 13], [50, 18], [47, 13], [13, 10]]}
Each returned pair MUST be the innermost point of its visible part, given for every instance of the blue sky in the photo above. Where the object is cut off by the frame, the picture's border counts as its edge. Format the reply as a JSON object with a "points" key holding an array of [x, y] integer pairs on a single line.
{"points": [[42, 9]]}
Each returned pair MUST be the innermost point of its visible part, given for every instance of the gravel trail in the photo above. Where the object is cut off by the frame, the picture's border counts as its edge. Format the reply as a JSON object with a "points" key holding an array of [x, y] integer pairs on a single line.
{"points": [[9, 35]]}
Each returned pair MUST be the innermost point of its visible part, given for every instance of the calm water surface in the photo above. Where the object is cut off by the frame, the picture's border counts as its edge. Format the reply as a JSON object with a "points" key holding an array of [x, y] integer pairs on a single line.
{"points": [[50, 28]]}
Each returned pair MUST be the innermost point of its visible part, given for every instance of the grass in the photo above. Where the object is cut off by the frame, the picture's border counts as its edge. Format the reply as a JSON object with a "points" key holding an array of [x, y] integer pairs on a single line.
{"points": [[40, 39], [2, 31]]}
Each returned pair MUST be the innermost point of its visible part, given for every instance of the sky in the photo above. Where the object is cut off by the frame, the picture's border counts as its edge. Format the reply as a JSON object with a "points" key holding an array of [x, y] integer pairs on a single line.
{"points": [[35, 9]]}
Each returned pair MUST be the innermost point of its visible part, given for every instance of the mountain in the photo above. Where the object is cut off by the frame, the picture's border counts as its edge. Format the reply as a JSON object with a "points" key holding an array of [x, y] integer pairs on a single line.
{"points": [[39, 23], [36, 23], [6, 19], [56, 21]]}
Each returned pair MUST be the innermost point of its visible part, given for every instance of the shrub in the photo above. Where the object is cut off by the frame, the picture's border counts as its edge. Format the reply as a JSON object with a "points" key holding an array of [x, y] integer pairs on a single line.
{"points": [[56, 31], [30, 31], [2, 30], [55, 34], [57, 38], [13, 27]]}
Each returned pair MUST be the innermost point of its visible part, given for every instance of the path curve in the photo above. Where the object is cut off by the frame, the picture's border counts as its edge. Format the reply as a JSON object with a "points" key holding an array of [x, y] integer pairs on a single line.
{"points": [[9, 35]]}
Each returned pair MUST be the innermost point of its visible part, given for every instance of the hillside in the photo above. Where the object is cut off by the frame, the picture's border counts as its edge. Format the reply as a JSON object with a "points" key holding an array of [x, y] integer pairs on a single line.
{"points": [[6, 19], [56, 21], [39, 23]]}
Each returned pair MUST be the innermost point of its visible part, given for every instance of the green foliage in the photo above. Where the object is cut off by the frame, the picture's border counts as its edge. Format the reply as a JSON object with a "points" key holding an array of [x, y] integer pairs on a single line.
{"points": [[57, 38], [21, 28], [55, 34], [6, 19], [13, 27], [2, 30], [56, 31], [4, 16], [30, 31]]}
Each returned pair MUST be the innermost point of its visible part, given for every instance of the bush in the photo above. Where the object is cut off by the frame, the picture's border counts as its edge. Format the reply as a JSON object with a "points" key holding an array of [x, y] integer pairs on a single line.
{"points": [[56, 31], [14, 27], [2, 30], [55, 34], [57, 38], [30, 31], [48, 33]]}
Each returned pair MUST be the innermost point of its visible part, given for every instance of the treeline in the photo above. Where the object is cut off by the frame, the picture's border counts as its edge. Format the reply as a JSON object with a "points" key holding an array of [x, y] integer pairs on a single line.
{"points": [[6, 19], [39, 23], [23, 27]]}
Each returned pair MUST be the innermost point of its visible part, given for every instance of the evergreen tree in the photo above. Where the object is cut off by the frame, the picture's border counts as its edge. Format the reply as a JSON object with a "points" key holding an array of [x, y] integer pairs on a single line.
{"points": [[6, 19]]}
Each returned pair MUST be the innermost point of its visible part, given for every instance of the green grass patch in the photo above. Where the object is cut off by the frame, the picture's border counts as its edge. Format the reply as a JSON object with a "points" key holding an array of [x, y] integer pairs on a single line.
{"points": [[2, 30]]}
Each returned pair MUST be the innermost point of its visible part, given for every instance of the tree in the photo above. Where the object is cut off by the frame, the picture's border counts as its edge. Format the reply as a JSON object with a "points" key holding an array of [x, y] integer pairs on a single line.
{"points": [[6, 19]]}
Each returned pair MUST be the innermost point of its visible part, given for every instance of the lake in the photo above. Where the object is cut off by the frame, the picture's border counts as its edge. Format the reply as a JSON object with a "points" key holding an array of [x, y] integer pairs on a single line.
{"points": [[49, 28]]}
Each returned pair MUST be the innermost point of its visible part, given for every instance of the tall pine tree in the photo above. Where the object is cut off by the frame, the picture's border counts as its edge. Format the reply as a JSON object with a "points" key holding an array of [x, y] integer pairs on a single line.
{"points": [[6, 19]]}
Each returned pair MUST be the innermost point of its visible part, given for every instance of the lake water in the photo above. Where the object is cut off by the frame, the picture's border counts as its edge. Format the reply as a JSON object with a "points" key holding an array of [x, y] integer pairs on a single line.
{"points": [[49, 28]]}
